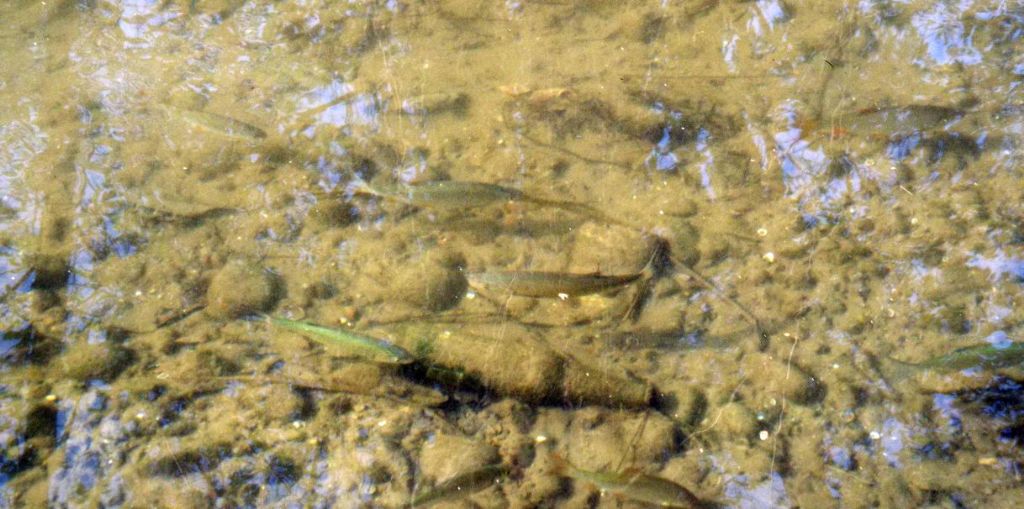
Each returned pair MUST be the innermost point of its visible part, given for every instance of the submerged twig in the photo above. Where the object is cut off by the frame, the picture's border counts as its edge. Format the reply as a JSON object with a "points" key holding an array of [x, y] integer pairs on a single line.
{"points": [[718, 292]]}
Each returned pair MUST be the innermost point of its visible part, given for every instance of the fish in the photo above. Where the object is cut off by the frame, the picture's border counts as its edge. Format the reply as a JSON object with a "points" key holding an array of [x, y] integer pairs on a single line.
{"points": [[633, 486], [984, 356], [896, 121], [366, 347], [461, 194], [440, 193], [562, 285], [219, 124], [541, 284], [435, 103], [462, 485]]}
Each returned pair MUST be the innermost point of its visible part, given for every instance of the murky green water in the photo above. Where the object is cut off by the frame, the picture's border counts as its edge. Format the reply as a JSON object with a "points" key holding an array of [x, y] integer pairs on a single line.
{"points": [[835, 189]]}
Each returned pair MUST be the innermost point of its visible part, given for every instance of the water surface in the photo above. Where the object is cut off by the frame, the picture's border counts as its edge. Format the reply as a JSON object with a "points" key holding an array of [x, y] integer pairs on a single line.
{"points": [[847, 173]]}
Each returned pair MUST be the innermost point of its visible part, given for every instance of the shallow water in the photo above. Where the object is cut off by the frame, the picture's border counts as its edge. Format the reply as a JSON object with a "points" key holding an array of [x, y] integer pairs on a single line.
{"points": [[847, 173]]}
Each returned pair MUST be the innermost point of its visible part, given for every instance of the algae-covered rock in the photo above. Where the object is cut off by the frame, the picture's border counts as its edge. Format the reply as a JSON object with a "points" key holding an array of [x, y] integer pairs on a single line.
{"points": [[450, 455], [537, 483], [527, 371], [683, 402], [332, 211], [274, 402], [777, 378], [513, 362], [240, 288], [84, 361], [734, 420], [600, 439], [610, 249], [586, 383], [184, 460], [435, 282]]}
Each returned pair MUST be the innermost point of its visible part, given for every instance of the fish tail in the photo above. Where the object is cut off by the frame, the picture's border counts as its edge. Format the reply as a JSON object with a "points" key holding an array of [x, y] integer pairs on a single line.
{"points": [[892, 370], [277, 321], [896, 371], [636, 304], [659, 256], [359, 186], [647, 275]]}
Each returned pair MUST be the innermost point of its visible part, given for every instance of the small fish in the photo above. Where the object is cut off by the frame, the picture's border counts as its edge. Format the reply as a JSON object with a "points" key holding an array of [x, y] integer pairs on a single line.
{"points": [[441, 193], [462, 485], [219, 124], [896, 121], [366, 346], [540, 284], [435, 103], [634, 486], [984, 356], [456, 194]]}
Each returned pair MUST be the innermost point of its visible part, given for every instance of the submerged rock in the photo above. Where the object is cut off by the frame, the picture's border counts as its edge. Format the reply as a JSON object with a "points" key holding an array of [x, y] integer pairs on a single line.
{"points": [[240, 288], [778, 378], [513, 362], [432, 283], [450, 455], [84, 361]]}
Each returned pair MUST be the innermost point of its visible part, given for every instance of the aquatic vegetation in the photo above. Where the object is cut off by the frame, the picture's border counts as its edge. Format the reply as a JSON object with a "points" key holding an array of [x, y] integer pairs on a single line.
{"points": [[240, 288], [634, 486], [462, 485], [363, 346]]}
